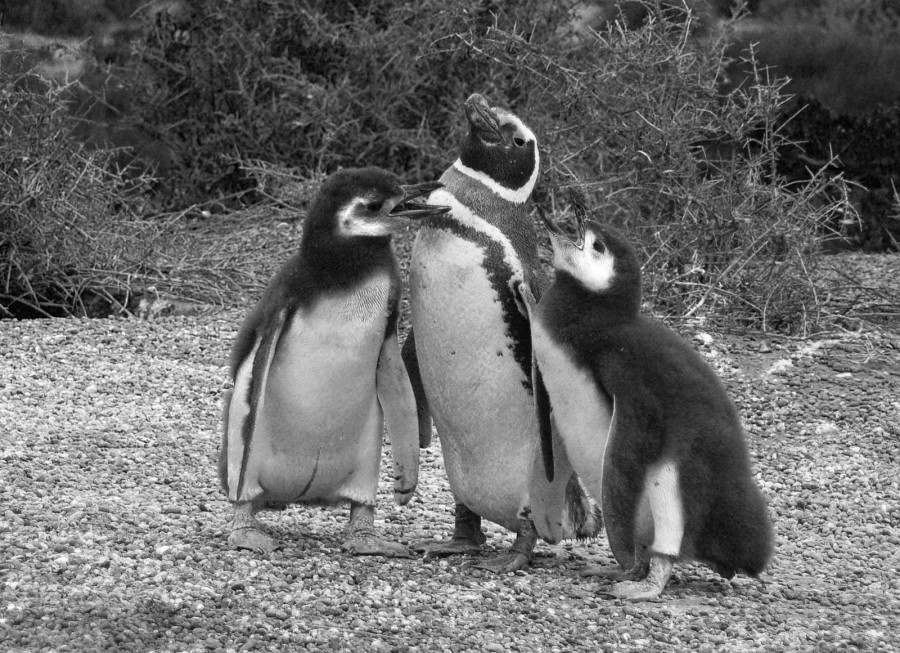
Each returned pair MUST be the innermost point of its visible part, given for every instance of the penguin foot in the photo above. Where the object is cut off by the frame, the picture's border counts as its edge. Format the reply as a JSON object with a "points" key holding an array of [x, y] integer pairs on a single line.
{"points": [[369, 545], [444, 548], [360, 539], [609, 572], [253, 538], [467, 536], [633, 590], [520, 553], [503, 563], [247, 532], [649, 587]]}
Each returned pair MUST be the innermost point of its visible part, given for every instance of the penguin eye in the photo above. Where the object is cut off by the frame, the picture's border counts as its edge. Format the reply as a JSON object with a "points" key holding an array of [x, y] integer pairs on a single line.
{"points": [[519, 141], [374, 207], [598, 246]]}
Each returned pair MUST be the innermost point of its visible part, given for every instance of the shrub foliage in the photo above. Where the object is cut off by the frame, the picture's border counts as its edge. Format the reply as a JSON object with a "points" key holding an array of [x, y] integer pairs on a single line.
{"points": [[73, 238], [630, 122], [69, 237], [317, 85], [633, 125]]}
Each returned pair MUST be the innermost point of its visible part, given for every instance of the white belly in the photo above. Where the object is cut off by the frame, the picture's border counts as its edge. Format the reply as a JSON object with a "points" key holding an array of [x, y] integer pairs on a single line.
{"points": [[582, 413], [318, 431], [483, 412]]}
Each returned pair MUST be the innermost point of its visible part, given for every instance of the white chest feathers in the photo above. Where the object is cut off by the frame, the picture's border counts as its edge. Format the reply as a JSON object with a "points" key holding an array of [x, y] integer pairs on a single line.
{"points": [[582, 412], [348, 320]]}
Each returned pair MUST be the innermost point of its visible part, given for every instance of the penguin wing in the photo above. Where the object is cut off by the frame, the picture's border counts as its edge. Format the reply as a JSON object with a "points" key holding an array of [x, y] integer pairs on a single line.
{"points": [[545, 425], [395, 394], [411, 362], [528, 300], [622, 482], [243, 404]]}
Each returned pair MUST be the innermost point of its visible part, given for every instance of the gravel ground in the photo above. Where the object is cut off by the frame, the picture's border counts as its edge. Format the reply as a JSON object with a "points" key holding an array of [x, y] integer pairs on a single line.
{"points": [[113, 530]]}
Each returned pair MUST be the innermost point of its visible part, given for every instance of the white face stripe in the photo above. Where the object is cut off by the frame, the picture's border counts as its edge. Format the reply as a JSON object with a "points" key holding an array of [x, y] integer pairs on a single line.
{"points": [[521, 127], [462, 214], [594, 269], [514, 195], [354, 221]]}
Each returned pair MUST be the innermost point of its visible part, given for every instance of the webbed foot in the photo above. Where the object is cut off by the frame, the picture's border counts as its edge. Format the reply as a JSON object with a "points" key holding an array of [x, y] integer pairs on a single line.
{"points": [[650, 586], [634, 590], [503, 563], [639, 569], [444, 548], [467, 536], [361, 540], [369, 545], [253, 538], [520, 554], [609, 572], [247, 532]]}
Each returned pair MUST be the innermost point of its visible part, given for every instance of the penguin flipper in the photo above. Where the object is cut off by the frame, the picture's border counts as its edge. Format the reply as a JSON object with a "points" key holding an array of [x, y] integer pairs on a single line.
{"points": [[620, 491], [542, 405], [541, 398], [223, 450], [398, 403], [411, 361], [245, 402]]}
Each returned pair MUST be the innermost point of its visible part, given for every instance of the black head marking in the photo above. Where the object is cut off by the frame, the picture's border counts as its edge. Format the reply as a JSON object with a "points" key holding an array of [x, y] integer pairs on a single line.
{"points": [[372, 187], [498, 145]]}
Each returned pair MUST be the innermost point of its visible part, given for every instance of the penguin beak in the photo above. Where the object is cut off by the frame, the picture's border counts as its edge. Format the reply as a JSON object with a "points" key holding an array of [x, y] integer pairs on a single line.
{"points": [[556, 232], [407, 208], [482, 119]]}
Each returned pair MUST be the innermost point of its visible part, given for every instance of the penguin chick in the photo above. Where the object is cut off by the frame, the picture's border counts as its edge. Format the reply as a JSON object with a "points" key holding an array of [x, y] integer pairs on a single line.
{"points": [[469, 347], [644, 420], [317, 369]]}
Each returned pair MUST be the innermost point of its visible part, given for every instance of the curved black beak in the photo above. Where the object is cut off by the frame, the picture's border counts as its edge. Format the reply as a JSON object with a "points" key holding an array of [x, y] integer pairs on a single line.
{"points": [[482, 118], [407, 208], [557, 231]]}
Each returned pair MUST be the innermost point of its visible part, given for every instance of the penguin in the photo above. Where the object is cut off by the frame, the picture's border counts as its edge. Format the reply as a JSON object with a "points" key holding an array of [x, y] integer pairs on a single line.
{"points": [[644, 420], [469, 348], [317, 369]]}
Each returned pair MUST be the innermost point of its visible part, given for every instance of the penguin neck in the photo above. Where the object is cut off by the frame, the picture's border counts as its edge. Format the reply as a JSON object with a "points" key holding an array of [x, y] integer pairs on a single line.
{"points": [[343, 262], [517, 195], [620, 303]]}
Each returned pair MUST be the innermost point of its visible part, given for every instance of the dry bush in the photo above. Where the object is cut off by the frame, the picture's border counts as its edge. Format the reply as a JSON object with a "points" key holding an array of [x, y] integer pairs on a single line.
{"points": [[72, 239], [315, 85], [633, 121]]}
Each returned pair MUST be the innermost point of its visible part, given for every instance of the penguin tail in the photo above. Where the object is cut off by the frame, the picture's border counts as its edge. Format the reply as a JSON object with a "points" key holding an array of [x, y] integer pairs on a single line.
{"points": [[583, 518], [740, 540]]}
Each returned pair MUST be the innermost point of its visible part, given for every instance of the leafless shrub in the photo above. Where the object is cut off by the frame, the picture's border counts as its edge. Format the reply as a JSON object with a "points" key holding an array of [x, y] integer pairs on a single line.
{"points": [[72, 239], [634, 122]]}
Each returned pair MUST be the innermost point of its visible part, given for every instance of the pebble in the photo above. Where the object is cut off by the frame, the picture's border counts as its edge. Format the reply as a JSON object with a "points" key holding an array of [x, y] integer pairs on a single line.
{"points": [[94, 535]]}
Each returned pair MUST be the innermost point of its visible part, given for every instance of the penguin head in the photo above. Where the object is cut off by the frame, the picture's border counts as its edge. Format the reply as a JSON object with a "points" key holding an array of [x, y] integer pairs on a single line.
{"points": [[499, 150], [364, 203], [600, 258]]}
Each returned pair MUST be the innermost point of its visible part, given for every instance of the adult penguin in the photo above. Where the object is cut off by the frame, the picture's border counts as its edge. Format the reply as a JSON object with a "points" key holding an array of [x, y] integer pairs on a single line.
{"points": [[645, 421], [469, 349], [317, 369]]}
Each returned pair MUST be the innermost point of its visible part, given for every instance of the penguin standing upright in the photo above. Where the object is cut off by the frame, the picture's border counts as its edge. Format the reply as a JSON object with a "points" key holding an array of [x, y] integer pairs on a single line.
{"points": [[645, 421], [469, 348], [317, 369]]}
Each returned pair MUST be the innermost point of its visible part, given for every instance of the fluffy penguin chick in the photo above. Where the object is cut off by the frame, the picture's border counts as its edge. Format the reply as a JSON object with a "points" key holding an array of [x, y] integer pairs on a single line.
{"points": [[317, 369], [469, 348], [645, 421]]}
